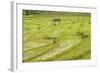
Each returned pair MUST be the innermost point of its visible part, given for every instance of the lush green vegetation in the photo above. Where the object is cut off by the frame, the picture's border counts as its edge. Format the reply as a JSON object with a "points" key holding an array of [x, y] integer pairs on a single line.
{"points": [[56, 36]]}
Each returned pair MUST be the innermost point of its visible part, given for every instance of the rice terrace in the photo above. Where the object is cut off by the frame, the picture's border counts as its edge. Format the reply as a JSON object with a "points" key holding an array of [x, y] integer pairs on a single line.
{"points": [[56, 36]]}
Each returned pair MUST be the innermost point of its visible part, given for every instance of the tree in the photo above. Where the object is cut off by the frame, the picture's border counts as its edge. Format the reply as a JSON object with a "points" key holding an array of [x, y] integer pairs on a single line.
{"points": [[82, 34], [56, 21]]}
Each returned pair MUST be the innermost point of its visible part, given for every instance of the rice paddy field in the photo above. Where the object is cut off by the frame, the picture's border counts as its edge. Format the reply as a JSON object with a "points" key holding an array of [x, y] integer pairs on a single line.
{"points": [[56, 36]]}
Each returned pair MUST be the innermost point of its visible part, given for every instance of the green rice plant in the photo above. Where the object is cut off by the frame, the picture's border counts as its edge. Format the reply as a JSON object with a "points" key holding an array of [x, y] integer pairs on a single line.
{"points": [[35, 52], [45, 31]]}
